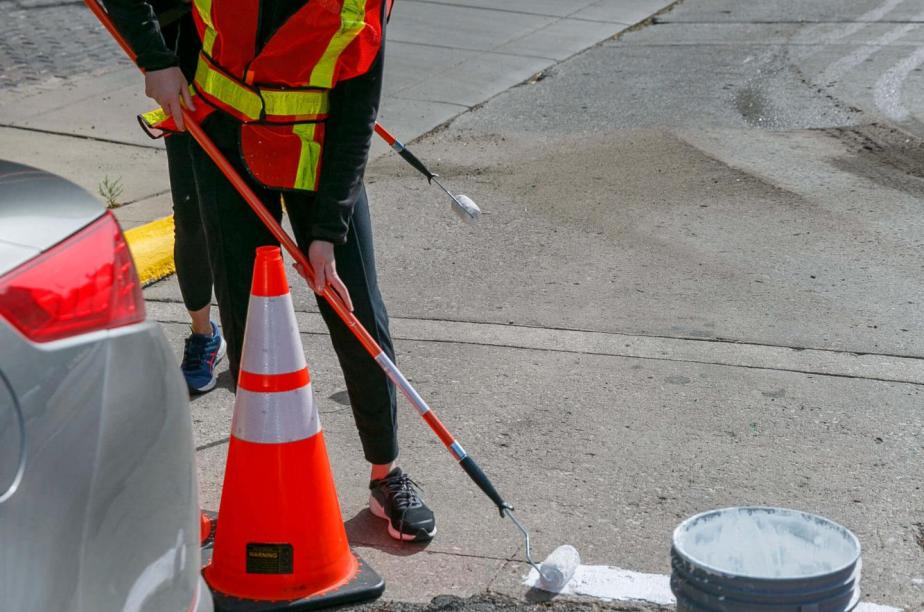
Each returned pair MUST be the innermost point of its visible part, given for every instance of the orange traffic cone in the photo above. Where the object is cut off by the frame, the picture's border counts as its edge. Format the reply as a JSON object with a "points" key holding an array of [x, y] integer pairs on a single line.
{"points": [[206, 526], [279, 542]]}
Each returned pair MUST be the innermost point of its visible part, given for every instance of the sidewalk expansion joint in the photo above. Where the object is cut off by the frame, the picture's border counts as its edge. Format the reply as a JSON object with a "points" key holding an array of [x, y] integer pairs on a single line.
{"points": [[13, 126], [646, 335], [722, 364], [896, 369]]}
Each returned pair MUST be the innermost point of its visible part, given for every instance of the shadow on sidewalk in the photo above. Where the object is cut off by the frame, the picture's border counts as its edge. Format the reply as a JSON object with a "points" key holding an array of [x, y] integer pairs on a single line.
{"points": [[366, 529]]}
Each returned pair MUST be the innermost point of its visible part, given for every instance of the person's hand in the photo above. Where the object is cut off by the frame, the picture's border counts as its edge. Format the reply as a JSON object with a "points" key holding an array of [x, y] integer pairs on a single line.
{"points": [[321, 260], [169, 88]]}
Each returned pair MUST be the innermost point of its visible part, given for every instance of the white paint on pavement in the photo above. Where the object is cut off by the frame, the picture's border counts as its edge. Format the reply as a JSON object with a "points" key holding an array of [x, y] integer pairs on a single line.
{"points": [[617, 584], [811, 35], [888, 92], [614, 584], [838, 69]]}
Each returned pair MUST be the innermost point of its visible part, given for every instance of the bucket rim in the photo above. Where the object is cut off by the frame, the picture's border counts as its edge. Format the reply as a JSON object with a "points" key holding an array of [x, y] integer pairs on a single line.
{"points": [[776, 509]]}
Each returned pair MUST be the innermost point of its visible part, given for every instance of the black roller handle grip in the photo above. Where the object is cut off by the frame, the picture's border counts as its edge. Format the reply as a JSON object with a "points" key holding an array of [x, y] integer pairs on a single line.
{"points": [[474, 472], [412, 159]]}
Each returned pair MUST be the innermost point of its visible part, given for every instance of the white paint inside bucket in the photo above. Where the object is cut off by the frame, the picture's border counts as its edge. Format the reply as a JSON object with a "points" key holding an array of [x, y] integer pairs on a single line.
{"points": [[766, 543]]}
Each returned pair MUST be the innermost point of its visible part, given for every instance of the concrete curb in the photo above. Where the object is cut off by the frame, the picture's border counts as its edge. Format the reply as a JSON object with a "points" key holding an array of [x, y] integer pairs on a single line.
{"points": [[152, 248]]}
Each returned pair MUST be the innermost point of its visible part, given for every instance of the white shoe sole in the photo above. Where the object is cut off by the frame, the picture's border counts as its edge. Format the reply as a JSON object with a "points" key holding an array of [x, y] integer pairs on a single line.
{"points": [[376, 509]]}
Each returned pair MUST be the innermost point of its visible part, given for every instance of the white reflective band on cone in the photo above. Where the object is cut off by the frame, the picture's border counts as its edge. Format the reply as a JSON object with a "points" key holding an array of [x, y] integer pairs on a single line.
{"points": [[271, 341], [286, 416]]}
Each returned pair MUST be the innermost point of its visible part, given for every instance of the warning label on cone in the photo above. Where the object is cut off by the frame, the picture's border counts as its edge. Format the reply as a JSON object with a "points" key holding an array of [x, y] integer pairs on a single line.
{"points": [[269, 558]]}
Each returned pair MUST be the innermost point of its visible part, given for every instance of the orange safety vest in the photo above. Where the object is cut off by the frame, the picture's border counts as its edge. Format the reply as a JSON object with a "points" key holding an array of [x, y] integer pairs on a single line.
{"points": [[281, 94]]}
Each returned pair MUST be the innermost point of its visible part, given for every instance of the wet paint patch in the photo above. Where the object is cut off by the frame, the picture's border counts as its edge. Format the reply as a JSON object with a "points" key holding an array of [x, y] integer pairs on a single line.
{"points": [[616, 584]]}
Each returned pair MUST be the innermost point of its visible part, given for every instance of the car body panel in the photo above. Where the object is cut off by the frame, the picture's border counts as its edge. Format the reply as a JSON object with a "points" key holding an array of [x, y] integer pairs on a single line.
{"points": [[105, 513], [39, 209], [118, 530], [12, 441], [13, 255]]}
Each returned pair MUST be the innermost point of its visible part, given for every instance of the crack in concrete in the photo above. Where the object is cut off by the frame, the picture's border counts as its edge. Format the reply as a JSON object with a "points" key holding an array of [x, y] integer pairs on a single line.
{"points": [[212, 444], [156, 194]]}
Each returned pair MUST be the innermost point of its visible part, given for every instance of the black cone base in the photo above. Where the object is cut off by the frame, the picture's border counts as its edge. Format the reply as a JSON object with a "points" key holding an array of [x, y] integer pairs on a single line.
{"points": [[365, 586]]}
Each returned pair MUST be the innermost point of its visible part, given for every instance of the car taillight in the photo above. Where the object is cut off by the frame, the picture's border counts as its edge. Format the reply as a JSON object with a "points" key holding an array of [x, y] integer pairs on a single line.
{"points": [[82, 284]]}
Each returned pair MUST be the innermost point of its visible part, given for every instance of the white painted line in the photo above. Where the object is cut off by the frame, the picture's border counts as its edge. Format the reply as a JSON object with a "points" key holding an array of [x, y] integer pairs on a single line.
{"points": [[847, 63], [888, 92], [616, 584], [811, 36]]}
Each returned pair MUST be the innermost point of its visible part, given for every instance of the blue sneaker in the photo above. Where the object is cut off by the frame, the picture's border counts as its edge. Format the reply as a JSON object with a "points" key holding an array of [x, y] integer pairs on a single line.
{"points": [[200, 356]]}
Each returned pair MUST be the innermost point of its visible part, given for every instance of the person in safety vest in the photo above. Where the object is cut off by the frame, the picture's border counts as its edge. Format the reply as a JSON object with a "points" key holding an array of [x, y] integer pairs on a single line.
{"points": [[204, 347], [289, 91]]}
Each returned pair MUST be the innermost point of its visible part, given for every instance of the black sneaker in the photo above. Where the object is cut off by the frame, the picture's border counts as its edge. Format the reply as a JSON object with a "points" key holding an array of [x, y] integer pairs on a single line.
{"points": [[395, 499]]}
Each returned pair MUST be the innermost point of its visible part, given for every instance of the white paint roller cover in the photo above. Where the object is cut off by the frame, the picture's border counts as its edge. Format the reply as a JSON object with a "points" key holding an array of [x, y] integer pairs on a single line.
{"points": [[559, 567]]}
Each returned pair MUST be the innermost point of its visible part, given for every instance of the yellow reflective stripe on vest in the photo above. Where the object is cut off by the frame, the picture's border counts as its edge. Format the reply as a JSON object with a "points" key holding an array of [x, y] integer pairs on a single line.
{"points": [[308, 158], [294, 103], [352, 21], [152, 118], [204, 8], [222, 87]]}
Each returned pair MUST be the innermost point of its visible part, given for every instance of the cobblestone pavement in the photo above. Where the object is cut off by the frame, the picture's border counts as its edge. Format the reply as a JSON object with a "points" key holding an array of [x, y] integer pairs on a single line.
{"points": [[43, 42]]}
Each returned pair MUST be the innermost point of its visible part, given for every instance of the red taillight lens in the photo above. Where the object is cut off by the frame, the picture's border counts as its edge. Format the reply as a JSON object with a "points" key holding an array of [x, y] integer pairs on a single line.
{"points": [[85, 283]]}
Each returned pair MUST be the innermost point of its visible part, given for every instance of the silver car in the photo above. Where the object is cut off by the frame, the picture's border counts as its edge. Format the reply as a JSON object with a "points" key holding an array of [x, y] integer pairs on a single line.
{"points": [[98, 491]]}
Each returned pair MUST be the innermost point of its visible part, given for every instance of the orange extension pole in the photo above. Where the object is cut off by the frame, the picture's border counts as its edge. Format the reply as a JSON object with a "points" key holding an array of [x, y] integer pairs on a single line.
{"points": [[388, 366]]}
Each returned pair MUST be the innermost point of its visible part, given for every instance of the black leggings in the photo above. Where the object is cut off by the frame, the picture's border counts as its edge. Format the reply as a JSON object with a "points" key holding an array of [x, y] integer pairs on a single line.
{"points": [[189, 249], [233, 232]]}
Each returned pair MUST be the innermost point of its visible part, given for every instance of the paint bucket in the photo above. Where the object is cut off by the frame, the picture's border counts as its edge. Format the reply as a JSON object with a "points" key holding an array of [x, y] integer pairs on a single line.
{"points": [[768, 559]]}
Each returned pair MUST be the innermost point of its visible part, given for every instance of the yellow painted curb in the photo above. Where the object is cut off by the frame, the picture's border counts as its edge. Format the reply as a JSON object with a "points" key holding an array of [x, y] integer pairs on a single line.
{"points": [[152, 247]]}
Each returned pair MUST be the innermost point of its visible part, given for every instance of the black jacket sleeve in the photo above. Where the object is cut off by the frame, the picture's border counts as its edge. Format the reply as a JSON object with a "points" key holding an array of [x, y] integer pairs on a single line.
{"points": [[354, 106], [137, 22]]}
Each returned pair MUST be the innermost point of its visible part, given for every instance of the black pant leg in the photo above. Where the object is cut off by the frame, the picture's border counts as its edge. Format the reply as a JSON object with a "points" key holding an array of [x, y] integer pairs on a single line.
{"points": [[372, 394], [232, 231], [189, 249]]}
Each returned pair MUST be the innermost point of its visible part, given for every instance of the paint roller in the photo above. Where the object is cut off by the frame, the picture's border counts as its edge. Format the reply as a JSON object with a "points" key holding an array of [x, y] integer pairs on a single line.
{"points": [[462, 205], [558, 568]]}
